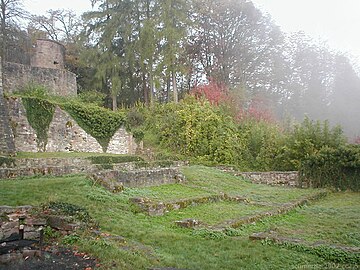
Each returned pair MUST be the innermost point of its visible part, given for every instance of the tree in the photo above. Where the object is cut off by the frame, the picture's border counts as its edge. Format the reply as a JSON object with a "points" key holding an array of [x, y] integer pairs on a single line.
{"points": [[174, 25], [345, 96], [10, 13], [59, 25]]}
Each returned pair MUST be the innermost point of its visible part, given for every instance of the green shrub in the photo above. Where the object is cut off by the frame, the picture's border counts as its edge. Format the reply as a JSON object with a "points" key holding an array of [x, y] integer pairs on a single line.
{"points": [[305, 140], [262, 143], [333, 167], [113, 159], [196, 129]]}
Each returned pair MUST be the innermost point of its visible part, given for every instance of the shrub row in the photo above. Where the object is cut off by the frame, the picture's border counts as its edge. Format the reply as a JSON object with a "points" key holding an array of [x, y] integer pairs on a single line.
{"points": [[333, 167]]}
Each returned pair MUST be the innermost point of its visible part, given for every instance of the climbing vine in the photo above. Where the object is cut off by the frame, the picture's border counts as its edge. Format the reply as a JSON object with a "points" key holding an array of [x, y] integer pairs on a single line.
{"points": [[99, 122], [39, 113]]}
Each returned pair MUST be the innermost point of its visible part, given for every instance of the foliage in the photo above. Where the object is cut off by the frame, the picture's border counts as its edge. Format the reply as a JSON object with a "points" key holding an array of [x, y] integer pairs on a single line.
{"points": [[326, 252], [71, 239], [8, 161], [113, 159], [196, 129], [69, 209], [39, 113], [216, 93], [99, 122], [306, 139], [93, 97], [263, 141], [333, 167]]}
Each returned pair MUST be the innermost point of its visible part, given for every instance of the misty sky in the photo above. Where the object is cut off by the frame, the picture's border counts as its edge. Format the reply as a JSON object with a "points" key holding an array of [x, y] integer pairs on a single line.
{"points": [[337, 21]]}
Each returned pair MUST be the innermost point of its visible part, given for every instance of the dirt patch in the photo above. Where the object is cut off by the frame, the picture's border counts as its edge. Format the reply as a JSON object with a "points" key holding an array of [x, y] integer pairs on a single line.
{"points": [[53, 258]]}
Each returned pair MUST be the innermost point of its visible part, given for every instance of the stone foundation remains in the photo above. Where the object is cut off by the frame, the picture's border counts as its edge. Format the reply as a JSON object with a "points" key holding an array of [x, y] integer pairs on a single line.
{"points": [[290, 178]]}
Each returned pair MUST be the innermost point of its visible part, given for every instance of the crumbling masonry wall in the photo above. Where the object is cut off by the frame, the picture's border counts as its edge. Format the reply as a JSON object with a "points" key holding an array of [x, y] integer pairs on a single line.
{"points": [[64, 135], [47, 68], [7, 146]]}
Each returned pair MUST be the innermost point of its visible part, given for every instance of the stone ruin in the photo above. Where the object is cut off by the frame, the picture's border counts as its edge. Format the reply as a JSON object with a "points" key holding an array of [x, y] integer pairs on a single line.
{"points": [[47, 68]]}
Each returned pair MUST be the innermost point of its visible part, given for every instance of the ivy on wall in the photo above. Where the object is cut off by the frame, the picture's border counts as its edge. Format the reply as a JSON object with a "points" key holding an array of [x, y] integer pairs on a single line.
{"points": [[39, 113], [99, 122]]}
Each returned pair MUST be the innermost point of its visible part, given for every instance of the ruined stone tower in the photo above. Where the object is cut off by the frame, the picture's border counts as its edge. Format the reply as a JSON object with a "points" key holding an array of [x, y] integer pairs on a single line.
{"points": [[47, 68], [7, 145], [48, 54]]}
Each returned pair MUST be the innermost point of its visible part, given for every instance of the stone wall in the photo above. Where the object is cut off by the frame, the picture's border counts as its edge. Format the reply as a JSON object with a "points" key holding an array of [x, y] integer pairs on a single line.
{"points": [[48, 54], [64, 135], [58, 81], [7, 145], [140, 178], [46, 166], [272, 178]]}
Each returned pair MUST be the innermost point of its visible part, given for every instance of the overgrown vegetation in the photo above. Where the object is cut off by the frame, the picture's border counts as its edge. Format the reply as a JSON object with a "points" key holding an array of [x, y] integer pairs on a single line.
{"points": [[333, 167], [113, 159], [211, 133], [99, 122], [39, 113]]}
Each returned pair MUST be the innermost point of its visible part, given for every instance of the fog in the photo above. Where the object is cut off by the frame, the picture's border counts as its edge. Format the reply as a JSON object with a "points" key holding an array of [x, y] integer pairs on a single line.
{"points": [[255, 50]]}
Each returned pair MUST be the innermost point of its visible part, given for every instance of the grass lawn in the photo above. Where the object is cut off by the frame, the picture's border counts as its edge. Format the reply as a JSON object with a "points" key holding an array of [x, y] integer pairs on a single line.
{"points": [[157, 242], [333, 220]]}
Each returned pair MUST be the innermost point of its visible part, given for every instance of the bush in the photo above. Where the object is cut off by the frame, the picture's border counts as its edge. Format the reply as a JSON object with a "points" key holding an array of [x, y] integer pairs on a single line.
{"points": [[197, 129], [333, 167], [263, 141], [305, 140]]}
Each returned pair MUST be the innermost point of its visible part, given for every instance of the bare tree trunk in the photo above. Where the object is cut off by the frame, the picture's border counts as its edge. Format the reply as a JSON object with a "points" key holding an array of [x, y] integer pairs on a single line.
{"points": [[151, 81], [175, 91], [145, 89], [114, 102]]}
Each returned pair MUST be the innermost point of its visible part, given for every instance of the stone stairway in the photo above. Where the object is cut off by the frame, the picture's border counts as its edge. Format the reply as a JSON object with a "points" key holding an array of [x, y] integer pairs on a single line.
{"points": [[7, 145]]}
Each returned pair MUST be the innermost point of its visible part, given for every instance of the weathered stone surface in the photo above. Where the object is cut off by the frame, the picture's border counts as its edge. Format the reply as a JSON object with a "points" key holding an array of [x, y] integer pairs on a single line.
{"points": [[48, 54], [7, 144], [61, 223], [64, 134], [188, 223], [36, 221], [142, 178], [58, 81], [8, 258]]}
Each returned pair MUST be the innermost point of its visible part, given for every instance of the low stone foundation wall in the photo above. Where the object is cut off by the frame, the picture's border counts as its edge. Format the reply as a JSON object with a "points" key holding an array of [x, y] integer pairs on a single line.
{"points": [[273, 178], [45, 166], [22, 167], [139, 178]]}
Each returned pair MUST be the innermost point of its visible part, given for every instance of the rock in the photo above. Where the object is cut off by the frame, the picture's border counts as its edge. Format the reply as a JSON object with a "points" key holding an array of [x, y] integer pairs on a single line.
{"points": [[36, 221], [188, 223], [61, 223], [11, 257], [10, 225]]}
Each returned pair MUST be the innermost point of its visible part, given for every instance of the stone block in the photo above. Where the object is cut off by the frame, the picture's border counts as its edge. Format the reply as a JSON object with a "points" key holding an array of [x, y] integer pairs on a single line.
{"points": [[188, 223]]}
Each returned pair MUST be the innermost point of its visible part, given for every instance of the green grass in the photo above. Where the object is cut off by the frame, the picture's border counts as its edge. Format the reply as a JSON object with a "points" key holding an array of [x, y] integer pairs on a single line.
{"points": [[213, 213], [333, 220], [157, 242], [213, 180]]}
